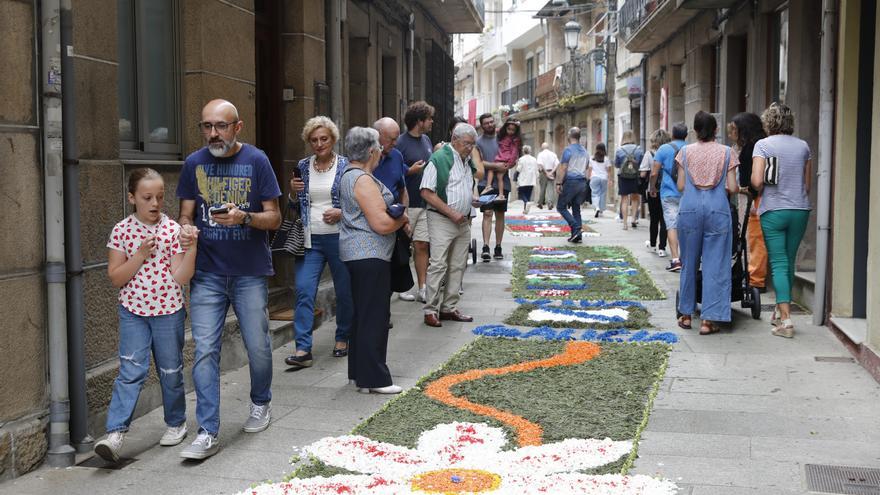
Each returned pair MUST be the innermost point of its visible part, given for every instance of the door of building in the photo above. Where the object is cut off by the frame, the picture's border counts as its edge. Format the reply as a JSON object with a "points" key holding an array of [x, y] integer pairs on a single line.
{"points": [[267, 57]]}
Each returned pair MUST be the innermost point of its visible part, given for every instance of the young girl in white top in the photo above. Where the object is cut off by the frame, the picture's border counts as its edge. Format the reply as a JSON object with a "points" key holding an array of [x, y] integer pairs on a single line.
{"points": [[148, 264], [599, 178]]}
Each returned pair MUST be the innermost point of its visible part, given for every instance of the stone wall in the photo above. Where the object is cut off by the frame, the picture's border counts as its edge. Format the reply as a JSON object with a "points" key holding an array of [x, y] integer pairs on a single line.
{"points": [[23, 385]]}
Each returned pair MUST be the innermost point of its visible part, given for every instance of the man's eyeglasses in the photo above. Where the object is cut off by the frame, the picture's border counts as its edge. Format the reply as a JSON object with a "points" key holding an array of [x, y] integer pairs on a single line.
{"points": [[220, 126], [380, 148]]}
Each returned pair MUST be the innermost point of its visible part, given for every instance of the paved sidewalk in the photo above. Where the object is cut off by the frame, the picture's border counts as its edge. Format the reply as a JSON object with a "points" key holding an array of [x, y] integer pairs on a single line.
{"points": [[739, 412]]}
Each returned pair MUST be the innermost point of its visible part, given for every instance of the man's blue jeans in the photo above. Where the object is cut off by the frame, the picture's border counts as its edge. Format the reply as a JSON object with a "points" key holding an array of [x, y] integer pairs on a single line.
{"points": [[210, 298], [574, 193], [137, 336], [324, 251]]}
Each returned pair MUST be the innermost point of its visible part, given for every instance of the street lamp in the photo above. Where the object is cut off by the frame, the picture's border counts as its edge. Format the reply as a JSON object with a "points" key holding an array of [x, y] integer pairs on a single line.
{"points": [[572, 32]]}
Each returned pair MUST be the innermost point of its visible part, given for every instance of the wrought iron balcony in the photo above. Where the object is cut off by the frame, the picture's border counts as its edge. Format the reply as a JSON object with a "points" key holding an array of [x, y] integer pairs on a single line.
{"points": [[632, 15], [578, 78], [524, 91], [645, 24]]}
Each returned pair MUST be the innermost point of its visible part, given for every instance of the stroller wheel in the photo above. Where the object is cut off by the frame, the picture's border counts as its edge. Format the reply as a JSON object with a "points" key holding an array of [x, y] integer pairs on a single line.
{"points": [[746, 301], [756, 303]]}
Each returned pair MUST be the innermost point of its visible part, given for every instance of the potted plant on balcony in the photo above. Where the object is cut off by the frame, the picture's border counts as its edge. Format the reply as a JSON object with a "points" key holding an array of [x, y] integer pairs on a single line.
{"points": [[504, 110], [521, 104]]}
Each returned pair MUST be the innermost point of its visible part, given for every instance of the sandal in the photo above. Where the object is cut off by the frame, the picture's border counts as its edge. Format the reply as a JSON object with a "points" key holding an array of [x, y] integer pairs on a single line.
{"points": [[708, 328], [684, 322], [785, 329], [775, 321]]}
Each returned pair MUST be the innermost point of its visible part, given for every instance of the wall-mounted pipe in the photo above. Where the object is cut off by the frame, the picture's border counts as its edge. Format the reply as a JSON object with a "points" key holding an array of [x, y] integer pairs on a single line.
{"points": [[79, 408], [826, 135], [60, 453]]}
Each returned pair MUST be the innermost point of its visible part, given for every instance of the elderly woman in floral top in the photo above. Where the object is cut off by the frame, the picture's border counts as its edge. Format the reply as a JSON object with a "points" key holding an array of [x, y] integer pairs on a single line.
{"points": [[316, 185], [706, 176]]}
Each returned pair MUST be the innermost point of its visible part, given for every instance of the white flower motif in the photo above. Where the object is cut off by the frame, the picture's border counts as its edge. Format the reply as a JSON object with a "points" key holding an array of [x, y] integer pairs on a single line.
{"points": [[467, 458]]}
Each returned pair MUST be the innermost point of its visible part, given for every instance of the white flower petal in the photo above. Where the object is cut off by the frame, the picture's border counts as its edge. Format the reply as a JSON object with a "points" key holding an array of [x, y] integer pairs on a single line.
{"points": [[459, 444], [347, 484], [362, 455], [568, 455], [581, 316], [584, 484]]}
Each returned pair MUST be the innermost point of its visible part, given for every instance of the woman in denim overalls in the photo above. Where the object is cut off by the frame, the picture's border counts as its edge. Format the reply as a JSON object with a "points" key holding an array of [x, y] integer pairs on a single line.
{"points": [[706, 177]]}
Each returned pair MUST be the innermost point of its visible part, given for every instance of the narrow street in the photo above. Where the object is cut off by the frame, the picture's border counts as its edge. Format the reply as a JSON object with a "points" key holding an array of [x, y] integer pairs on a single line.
{"points": [[740, 412]]}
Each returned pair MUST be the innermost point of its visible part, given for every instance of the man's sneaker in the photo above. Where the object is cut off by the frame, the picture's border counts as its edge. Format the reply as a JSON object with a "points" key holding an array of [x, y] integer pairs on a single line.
{"points": [[259, 418], [661, 253], [406, 296], [651, 249], [578, 238], [674, 266], [498, 255], [109, 448], [423, 293], [486, 256], [205, 445], [173, 435]]}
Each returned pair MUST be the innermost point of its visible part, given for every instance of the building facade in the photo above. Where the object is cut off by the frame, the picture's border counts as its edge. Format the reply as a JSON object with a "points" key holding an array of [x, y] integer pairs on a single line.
{"points": [[138, 74]]}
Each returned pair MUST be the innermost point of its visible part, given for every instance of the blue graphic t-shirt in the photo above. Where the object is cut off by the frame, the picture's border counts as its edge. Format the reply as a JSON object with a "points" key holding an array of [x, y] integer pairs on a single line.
{"points": [[246, 179], [577, 158], [391, 172]]}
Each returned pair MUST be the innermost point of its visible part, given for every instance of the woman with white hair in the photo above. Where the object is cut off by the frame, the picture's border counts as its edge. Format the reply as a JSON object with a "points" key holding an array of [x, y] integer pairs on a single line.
{"points": [[366, 242], [527, 168], [315, 193]]}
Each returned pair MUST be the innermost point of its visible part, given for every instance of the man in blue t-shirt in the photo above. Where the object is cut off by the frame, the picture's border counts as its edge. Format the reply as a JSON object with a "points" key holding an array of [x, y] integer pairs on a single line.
{"points": [[228, 191], [391, 170], [416, 148], [571, 183], [664, 161]]}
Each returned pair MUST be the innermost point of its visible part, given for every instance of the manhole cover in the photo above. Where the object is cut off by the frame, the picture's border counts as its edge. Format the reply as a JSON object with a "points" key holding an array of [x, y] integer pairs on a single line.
{"points": [[844, 480]]}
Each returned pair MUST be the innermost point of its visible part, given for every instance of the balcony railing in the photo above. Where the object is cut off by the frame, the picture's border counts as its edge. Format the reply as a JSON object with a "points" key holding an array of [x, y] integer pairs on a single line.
{"points": [[524, 91], [633, 14], [578, 77]]}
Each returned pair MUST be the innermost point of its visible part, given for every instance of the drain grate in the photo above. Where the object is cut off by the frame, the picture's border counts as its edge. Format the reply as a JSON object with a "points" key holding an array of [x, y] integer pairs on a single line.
{"points": [[834, 359], [844, 480], [795, 309]]}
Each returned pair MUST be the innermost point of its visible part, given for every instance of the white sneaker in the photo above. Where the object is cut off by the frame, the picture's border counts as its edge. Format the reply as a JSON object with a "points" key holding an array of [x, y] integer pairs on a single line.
{"points": [[109, 448], [661, 253], [390, 389], [406, 296], [422, 297], [651, 249], [173, 435]]}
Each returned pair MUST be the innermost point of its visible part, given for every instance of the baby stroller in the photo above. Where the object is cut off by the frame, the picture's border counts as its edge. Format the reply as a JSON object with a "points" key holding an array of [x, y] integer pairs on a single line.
{"points": [[740, 290]]}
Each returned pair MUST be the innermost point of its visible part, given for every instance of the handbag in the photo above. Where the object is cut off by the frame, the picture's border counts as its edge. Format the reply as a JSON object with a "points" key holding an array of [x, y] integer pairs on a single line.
{"points": [[290, 238], [771, 171], [401, 276]]}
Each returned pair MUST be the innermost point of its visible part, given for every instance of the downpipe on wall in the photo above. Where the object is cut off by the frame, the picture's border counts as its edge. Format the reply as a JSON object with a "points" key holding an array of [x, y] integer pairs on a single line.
{"points": [[60, 453], [826, 134], [79, 408]]}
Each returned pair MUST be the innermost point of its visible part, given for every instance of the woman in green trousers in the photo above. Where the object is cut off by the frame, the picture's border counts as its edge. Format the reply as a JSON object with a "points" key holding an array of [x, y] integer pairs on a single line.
{"points": [[781, 170]]}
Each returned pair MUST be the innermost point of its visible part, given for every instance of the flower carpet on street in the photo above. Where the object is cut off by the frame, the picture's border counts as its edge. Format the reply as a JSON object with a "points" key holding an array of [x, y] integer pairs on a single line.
{"points": [[589, 334], [542, 225], [563, 313], [503, 416], [462, 457], [580, 272]]}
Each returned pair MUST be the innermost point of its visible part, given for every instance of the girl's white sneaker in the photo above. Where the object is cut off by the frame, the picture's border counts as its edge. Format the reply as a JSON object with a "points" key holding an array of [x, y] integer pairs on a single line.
{"points": [[173, 435]]}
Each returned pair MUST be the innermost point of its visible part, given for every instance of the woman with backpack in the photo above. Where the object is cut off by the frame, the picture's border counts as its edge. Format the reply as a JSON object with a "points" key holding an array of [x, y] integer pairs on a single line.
{"points": [[656, 242], [627, 160]]}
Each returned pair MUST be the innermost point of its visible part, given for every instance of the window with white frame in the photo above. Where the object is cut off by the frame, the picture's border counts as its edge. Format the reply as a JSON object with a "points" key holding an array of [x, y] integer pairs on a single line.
{"points": [[149, 77]]}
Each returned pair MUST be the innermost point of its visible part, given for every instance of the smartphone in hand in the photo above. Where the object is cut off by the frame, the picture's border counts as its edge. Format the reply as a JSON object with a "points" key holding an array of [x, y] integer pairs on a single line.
{"points": [[218, 210]]}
